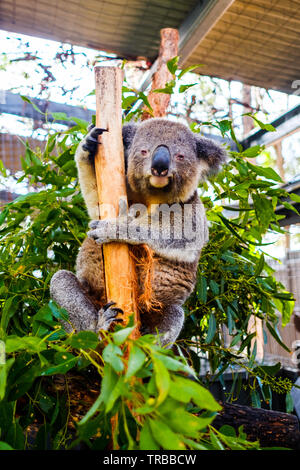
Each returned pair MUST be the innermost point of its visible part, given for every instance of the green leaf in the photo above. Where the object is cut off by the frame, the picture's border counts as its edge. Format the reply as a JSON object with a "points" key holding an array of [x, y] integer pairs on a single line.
{"points": [[252, 152], [289, 206], [217, 444], [120, 336], [145, 100], [227, 430], [259, 266], [230, 320], [117, 391], [267, 127], [25, 98], [268, 173], [172, 64], [5, 446], [173, 364], [94, 408], [8, 310], [29, 343], [147, 441], [235, 340], [202, 289], [168, 89], [246, 341], [255, 399], [83, 340], [65, 361], [58, 312], [276, 336], [212, 328], [111, 354], [295, 197], [4, 370], [164, 436], [15, 436], [3, 169], [108, 385], [289, 403], [184, 390], [81, 122], [3, 215], [136, 360], [270, 370], [180, 421], [183, 88], [60, 116], [162, 380], [189, 69], [214, 287]]}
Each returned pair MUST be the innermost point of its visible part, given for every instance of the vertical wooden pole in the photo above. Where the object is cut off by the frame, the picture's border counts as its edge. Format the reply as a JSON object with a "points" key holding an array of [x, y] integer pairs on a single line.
{"points": [[247, 121], [110, 175], [280, 167], [168, 49]]}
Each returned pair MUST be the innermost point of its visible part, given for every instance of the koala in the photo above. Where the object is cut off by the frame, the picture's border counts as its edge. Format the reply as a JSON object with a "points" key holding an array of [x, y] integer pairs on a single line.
{"points": [[164, 163]]}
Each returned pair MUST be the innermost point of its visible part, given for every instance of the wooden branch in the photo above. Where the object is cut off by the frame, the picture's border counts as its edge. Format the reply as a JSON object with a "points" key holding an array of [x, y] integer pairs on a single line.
{"points": [[168, 49], [271, 428], [248, 123], [110, 175]]}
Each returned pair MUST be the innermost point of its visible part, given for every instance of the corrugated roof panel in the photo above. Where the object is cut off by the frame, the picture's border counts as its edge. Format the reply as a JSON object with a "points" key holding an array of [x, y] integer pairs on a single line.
{"points": [[128, 27], [255, 42]]}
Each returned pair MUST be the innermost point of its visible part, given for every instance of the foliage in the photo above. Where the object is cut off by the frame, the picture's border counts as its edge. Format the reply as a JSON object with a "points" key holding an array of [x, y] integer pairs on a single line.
{"points": [[147, 388]]}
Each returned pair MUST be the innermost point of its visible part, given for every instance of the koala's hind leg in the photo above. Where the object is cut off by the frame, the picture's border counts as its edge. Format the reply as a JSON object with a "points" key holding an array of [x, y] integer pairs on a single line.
{"points": [[66, 291], [169, 325], [90, 271]]}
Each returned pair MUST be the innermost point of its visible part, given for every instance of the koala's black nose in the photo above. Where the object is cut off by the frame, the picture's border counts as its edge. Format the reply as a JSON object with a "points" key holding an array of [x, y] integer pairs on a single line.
{"points": [[160, 161]]}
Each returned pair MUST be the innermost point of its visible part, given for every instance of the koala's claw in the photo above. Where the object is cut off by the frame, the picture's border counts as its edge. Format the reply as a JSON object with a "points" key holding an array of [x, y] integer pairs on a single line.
{"points": [[101, 231], [91, 140], [107, 316], [94, 224]]}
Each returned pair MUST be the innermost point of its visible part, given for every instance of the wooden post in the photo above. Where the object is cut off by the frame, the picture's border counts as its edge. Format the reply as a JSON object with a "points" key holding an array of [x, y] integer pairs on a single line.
{"points": [[279, 159], [247, 121], [110, 175], [168, 49]]}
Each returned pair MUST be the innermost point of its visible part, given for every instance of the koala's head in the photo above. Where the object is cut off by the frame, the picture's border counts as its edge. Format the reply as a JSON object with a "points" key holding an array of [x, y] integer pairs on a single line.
{"points": [[166, 161]]}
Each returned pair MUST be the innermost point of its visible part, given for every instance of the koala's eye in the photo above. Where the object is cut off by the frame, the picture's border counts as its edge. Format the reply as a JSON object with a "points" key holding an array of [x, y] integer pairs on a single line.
{"points": [[144, 152], [180, 156]]}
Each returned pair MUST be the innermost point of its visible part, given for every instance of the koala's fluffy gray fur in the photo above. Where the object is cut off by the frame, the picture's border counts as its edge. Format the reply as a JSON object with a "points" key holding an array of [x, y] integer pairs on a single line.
{"points": [[174, 262]]}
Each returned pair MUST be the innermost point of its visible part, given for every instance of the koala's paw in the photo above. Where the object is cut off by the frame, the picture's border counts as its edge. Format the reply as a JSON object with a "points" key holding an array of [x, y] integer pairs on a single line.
{"points": [[88, 147], [102, 231], [108, 315]]}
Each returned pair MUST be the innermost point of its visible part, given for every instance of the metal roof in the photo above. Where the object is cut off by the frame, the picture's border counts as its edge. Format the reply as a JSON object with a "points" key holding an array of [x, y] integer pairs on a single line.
{"points": [[129, 28], [257, 41]]}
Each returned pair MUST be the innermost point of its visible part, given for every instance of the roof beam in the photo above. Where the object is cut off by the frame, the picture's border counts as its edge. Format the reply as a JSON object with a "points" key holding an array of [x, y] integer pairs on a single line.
{"points": [[192, 31], [285, 125], [12, 103], [198, 24]]}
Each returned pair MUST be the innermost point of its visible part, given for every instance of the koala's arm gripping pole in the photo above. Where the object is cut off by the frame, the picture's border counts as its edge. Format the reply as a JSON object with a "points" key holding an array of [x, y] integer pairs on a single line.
{"points": [[110, 176]]}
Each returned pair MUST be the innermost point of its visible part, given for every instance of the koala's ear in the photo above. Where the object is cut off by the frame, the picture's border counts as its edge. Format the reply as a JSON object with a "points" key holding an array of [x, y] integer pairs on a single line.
{"points": [[128, 133], [212, 153]]}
